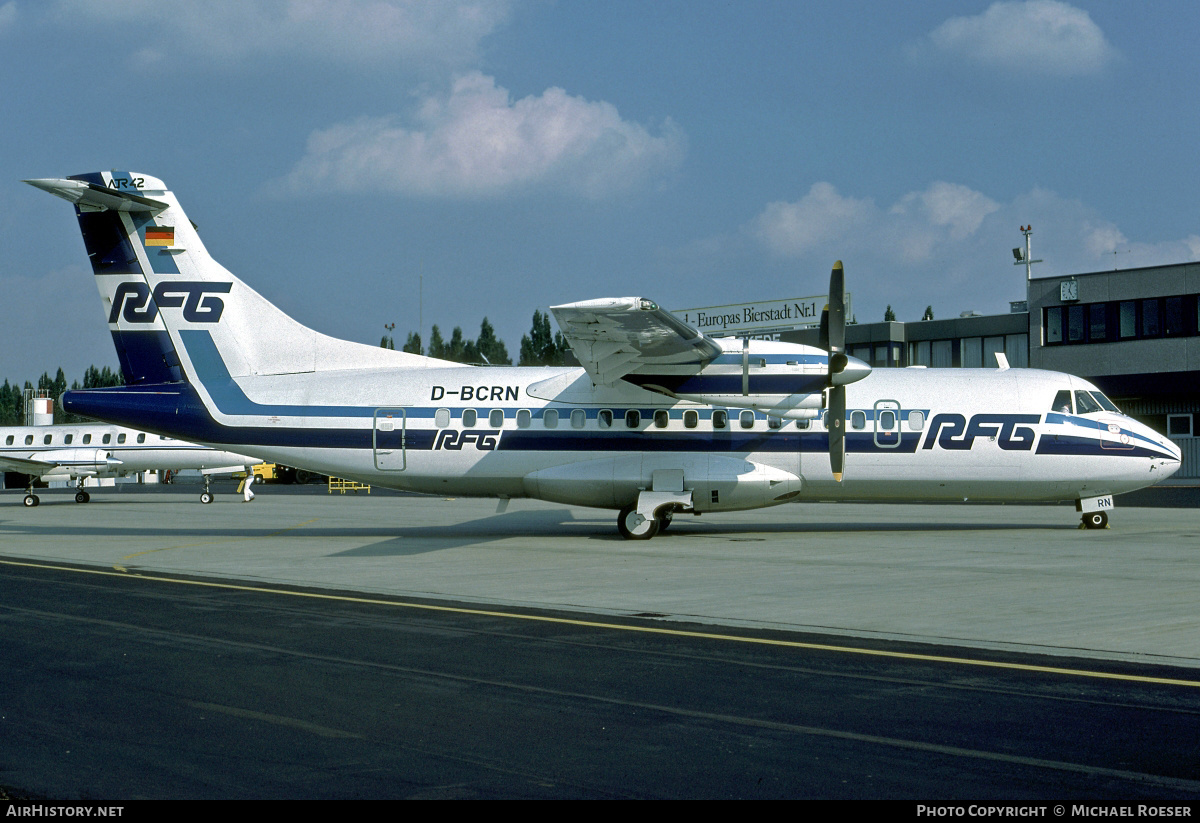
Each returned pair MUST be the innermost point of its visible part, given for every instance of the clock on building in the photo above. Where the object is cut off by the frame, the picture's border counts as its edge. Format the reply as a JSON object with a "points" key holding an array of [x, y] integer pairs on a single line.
{"points": [[1068, 290]]}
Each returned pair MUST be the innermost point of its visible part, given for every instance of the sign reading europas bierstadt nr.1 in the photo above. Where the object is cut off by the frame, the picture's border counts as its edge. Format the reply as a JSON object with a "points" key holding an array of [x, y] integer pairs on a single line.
{"points": [[765, 316]]}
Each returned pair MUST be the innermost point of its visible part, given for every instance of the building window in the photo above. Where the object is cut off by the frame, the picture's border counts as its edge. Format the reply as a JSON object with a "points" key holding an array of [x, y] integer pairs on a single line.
{"points": [[1150, 320], [972, 352], [919, 353], [1016, 349], [1054, 326], [1179, 425], [1128, 321], [942, 354], [1097, 322], [1173, 317], [1075, 327]]}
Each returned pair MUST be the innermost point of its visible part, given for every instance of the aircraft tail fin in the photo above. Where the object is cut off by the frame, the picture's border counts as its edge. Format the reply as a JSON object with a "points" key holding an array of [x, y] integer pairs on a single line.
{"points": [[169, 304]]}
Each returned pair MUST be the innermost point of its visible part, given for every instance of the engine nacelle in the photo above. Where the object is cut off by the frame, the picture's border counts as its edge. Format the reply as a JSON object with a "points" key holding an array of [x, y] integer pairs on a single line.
{"points": [[717, 482], [75, 462]]}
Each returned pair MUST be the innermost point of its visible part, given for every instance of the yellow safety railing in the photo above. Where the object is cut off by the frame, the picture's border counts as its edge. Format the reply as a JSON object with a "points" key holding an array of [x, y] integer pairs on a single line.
{"points": [[339, 485]]}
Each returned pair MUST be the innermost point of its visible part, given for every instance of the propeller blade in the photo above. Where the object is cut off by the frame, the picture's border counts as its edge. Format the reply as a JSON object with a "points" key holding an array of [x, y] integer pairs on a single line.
{"points": [[837, 309], [837, 431], [833, 340]]}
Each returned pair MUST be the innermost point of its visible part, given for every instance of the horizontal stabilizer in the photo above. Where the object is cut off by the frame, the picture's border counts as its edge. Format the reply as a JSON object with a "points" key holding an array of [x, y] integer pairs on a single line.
{"points": [[93, 197]]}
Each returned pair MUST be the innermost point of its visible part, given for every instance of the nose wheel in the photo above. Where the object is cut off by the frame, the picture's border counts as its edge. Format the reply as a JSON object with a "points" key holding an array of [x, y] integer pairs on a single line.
{"points": [[1095, 520]]}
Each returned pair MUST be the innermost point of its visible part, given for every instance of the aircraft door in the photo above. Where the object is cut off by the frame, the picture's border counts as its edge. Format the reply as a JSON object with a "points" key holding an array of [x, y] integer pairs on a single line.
{"points": [[388, 436], [887, 424]]}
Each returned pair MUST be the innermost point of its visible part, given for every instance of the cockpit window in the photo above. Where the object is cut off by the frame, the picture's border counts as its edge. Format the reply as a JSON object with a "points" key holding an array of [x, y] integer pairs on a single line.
{"points": [[1062, 402], [1104, 402], [1084, 404]]}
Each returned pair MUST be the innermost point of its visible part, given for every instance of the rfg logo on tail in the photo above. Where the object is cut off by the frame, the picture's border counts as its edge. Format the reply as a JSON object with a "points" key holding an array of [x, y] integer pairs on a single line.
{"points": [[133, 302]]}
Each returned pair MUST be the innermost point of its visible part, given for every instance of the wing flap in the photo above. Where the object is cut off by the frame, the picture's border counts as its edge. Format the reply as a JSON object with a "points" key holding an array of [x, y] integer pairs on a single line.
{"points": [[613, 337]]}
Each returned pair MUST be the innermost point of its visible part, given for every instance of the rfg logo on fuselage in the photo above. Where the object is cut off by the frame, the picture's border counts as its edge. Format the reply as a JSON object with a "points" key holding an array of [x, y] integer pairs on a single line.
{"points": [[951, 431], [486, 440], [133, 302]]}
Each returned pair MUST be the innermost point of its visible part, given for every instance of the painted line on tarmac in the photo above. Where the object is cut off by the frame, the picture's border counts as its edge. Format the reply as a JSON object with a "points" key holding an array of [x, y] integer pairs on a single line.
{"points": [[119, 571]]}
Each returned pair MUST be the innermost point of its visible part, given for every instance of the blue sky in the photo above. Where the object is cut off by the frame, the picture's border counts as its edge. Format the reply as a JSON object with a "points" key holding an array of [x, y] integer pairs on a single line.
{"points": [[520, 154]]}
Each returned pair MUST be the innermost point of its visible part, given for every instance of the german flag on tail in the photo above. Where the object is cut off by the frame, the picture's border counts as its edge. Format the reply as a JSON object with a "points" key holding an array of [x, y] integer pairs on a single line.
{"points": [[160, 236]]}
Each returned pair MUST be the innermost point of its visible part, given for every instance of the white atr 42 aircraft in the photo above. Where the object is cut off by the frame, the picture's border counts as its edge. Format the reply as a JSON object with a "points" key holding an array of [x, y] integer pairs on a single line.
{"points": [[76, 452], [660, 420]]}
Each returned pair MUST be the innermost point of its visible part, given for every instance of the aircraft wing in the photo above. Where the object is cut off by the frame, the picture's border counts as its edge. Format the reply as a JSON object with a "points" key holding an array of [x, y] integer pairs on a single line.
{"points": [[613, 337], [25, 466]]}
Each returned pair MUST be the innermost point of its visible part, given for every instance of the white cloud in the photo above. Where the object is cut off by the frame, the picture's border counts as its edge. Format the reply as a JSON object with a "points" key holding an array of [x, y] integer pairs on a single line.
{"points": [[948, 245], [1042, 36], [339, 31], [914, 226], [477, 142]]}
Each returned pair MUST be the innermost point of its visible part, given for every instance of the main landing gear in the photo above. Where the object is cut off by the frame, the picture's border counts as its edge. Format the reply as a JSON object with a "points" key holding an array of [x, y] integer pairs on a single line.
{"points": [[206, 495], [80, 495], [31, 499], [634, 526]]}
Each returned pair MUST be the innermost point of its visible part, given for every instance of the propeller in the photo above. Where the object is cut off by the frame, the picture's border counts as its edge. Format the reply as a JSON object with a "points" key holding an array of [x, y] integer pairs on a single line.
{"points": [[833, 340]]}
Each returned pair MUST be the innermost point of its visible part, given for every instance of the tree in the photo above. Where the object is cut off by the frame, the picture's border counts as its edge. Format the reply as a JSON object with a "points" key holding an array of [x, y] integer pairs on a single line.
{"points": [[413, 344], [542, 348], [437, 346], [491, 348], [889, 315], [928, 313]]}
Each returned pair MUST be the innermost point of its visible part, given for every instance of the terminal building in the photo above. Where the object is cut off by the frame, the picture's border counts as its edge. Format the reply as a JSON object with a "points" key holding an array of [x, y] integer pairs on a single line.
{"points": [[1135, 333]]}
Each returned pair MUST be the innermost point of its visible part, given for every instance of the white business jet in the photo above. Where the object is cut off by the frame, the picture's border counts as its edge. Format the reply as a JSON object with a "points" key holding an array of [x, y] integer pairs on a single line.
{"points": [[660, 419], [77, 452]]}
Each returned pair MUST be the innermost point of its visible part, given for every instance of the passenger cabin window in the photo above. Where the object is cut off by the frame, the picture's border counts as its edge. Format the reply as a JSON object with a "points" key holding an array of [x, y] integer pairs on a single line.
{"points": [[578, 418], [916, 420], [496, 418], [8, 441], [691, 418], [69, 439], [524, 418], [47, 440], [803, 424], [107, 439], [141, 437], [633, 419], [604, 418], [774, 422], [887, 420], [441, 418], [858, 419], [469, 418], [746, 418], [720, 419], [121, 438], [29, 440], [1062, 402], [661, 419], [87, 438], [550, 418], [1084, 404]]}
